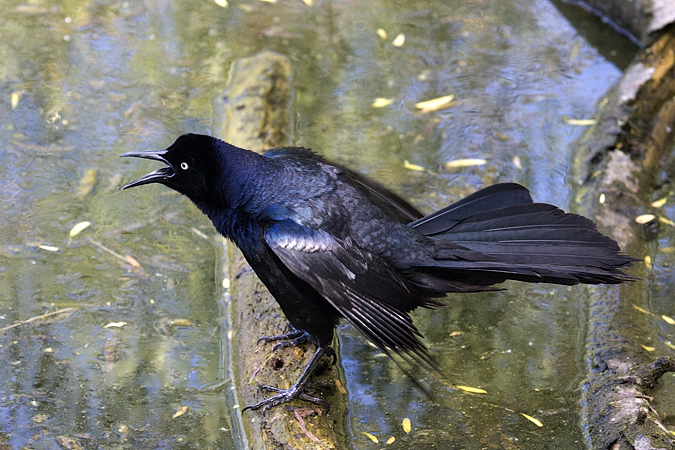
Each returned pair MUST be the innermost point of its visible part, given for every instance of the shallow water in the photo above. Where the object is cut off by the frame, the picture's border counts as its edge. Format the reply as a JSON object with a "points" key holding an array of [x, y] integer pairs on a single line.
{"points": [[140, 332]]}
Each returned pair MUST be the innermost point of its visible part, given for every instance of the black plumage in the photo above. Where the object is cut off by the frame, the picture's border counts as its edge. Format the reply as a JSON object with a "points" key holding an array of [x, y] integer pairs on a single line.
{"points": [[330, 244]]}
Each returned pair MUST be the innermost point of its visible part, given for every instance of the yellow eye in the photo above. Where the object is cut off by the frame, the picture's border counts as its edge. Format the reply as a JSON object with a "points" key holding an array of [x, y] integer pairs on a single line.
{"points": [[184, 166]]}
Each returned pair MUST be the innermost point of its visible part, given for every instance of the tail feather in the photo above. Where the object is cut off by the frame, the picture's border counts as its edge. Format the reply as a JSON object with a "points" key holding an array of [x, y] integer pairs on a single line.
{"points": [[510, 237], [488, 199], [489, 273]]}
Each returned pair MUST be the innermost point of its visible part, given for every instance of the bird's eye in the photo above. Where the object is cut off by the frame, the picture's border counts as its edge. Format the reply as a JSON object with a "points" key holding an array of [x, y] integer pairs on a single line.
{"points": [[184, 165]]}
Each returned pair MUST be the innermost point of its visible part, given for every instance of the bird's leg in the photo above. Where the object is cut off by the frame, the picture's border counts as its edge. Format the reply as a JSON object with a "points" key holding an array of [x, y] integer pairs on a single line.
{"points": [[295, 391], [294, 338]]}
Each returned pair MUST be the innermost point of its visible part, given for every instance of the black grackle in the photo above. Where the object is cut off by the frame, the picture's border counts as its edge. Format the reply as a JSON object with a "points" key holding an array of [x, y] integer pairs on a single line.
{"points": [[330, 244]]}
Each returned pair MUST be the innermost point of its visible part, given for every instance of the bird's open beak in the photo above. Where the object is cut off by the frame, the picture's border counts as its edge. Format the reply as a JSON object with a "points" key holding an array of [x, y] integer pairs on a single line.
{"points": [[158, 176]]}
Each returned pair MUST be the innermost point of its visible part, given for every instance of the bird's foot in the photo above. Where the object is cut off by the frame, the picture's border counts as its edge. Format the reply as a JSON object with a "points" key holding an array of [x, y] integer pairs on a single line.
{"points": [[291, 339], [330, 352], [297, 390], [283, 396]]}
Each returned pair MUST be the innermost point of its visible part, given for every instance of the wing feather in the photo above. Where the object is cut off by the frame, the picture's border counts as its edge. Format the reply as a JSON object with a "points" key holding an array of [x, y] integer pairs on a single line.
{"points": [[374, 297]]}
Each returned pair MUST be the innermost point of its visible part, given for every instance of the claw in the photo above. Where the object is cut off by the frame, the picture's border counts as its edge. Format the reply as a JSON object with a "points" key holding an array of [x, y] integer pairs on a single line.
{"points": [[304, 337], [293, 338], [330, 352], [294, 333], [283, 396], [297, 390]]}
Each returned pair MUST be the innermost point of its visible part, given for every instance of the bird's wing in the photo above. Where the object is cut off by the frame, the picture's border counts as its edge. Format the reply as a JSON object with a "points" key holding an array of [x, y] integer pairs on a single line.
{"points": [[398, 208], [373, 296], [292, 152]]}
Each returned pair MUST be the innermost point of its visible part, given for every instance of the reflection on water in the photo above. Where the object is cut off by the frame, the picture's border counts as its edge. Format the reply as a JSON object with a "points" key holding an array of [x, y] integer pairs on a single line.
{"points": [[83, 83]]}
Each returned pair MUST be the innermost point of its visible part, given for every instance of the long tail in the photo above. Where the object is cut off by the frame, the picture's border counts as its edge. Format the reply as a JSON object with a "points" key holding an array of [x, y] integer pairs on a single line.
{"points": [[508, 236]]}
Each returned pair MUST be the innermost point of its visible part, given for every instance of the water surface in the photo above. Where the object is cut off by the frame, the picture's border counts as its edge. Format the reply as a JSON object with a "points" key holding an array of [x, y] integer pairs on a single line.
{"points": [[139, 332]]}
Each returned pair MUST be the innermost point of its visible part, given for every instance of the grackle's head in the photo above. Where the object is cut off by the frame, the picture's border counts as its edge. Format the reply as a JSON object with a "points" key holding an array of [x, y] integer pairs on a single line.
{"points": [[190, 163]]}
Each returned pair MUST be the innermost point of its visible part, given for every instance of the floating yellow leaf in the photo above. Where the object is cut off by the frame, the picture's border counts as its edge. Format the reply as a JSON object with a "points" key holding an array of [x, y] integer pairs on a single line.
{"points": [[456, 333], [199, 233], [516, 163], [644, 218], [581, 122], [659, 203], [533, 420], [14, 99], [382, 102], [399, 40], [115, 325], [642, 310], [341, 388], [669, 320], [269, 1], [182, 323], [381, 33], [86, 183], [472, 389], [309, 2], [668, 249], [180, 412], [410, 166], [435, 104], [648, 261], [371, 437], [131, 260], [78, 228], [670, 344], [469, 162], [222, 3], [649, 349], [391, 440], [406, 425], [666, 221], [49, 248]]}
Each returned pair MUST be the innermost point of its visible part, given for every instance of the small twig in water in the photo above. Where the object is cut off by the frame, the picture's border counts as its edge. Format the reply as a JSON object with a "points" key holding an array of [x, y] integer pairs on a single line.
{"points": [[67, 311]]}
